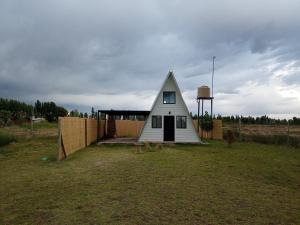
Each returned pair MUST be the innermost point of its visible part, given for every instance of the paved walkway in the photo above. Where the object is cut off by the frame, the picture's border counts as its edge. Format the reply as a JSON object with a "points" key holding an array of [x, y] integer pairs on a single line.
{"points": [[119, 140]]}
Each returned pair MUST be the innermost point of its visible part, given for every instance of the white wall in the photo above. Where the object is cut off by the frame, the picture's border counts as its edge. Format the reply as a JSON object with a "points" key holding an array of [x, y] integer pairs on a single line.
{"points": [[156, 134]]}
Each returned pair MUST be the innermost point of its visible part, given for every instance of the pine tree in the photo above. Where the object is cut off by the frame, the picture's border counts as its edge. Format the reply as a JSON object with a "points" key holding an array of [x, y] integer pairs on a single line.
{"points": [[92, 113]]}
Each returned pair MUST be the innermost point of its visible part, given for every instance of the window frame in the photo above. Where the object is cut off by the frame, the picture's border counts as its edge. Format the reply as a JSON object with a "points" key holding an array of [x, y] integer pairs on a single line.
{"points": [[180, 125], [156, 122], [168, 92]]}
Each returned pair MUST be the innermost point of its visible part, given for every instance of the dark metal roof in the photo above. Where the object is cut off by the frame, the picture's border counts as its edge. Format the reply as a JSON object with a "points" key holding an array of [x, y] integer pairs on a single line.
{"points": [[125, 112]]}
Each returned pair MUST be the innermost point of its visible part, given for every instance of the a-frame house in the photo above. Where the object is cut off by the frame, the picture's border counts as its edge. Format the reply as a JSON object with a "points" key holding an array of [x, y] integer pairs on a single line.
{"points": [[169, 119]]}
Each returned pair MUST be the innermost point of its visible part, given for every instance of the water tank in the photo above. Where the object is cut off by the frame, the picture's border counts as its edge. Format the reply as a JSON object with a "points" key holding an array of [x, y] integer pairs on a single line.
{"points": [[203, 92]]}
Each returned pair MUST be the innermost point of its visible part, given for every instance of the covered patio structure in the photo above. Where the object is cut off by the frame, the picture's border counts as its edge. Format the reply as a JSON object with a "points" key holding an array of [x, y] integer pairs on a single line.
{"points": [[109, 123]]}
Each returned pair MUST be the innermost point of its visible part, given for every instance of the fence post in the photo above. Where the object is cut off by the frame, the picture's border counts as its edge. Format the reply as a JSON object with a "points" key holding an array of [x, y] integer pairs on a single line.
{"points": [[240, 125], [86, 125], [59, 139], [288, 133], [98, 125], [31, 126]]}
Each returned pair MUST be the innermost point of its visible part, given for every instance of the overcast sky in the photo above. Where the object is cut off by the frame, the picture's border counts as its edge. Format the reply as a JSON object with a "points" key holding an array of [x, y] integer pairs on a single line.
{"points": [[116, 54]]}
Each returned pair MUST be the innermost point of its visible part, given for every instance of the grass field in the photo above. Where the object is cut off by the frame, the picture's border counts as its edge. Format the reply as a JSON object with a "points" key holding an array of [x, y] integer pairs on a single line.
{"points": [[40, 125], [42, 129], [246, 184], [294, 130]]}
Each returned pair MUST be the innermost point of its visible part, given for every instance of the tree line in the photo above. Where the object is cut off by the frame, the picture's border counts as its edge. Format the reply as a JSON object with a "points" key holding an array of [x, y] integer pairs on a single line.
{"points": [[16, 111], [265, 120], [258, 120], [49, 110], [13, 110]]}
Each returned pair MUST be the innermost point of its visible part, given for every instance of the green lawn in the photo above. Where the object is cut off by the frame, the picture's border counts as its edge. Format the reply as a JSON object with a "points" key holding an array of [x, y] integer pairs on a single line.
{"points": [[246, 184]]}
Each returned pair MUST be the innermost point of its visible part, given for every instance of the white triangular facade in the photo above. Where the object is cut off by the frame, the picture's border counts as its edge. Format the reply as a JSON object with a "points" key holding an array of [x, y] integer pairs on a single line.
{"points": [[184, 132]]}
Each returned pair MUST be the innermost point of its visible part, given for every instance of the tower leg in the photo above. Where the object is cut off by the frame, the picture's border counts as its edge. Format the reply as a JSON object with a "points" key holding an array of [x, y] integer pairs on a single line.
{"points": [[211, 113], [202, 119], [198, 129]]}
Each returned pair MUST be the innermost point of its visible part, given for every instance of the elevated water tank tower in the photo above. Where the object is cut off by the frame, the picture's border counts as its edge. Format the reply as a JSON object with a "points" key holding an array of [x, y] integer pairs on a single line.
{"points": [[203, 94]]}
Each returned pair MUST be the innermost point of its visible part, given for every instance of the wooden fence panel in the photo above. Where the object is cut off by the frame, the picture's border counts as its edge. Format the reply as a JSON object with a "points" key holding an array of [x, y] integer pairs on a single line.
{"points": [[91, 131], [129, 128], [71, 135], [101, 128], [217, 131], [77, 133]]}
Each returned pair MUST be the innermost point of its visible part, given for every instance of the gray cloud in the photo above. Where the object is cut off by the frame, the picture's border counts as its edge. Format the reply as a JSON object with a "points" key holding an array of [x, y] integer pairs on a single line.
{"points": [[96, 50]]}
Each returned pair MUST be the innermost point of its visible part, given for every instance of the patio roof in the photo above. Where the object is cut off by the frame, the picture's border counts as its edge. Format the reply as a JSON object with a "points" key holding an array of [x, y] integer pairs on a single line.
{"points": [[125, 112]]}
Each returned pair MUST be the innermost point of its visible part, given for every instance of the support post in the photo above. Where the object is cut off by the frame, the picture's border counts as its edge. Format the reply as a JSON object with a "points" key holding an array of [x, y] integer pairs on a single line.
{"points": [[202, 119], [198, 127], [211, 108], [59, 140], [211, 111], [105, 125], [240, 128], [288, 133], [31, 122], [98, 126], [85, 131]]}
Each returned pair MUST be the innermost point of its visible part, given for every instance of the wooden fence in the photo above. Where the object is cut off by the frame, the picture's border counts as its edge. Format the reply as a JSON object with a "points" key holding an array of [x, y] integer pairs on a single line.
{"points": [[216, 133], [129, 128], [77, 133]]}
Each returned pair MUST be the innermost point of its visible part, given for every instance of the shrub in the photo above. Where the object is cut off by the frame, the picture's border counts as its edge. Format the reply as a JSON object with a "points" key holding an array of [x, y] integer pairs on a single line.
{"points": [[225, 133], [230, 137], [6, 139], [5, 117], [207, 124]]}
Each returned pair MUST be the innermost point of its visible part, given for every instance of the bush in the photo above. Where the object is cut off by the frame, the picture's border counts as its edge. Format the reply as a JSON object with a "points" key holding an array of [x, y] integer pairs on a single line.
{"points": [[230, 137], [5, 139], [4, 117], [207, 124], [225, 133]]}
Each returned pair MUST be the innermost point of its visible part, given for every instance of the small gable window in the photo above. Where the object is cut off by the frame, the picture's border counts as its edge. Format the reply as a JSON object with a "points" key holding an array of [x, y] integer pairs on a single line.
{"points": [[156, 121], [181, 122], [169, 97]]}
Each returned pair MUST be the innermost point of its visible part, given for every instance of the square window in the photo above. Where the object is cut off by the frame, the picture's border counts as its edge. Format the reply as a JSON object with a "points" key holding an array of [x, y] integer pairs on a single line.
{"points": [[169, 97], [156, 121], [181, 122]]}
